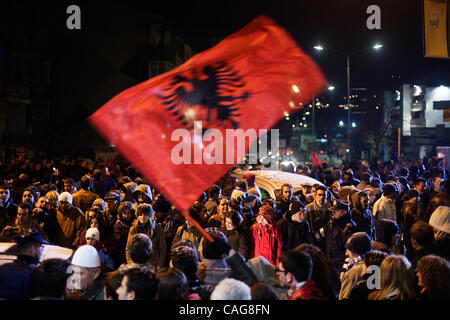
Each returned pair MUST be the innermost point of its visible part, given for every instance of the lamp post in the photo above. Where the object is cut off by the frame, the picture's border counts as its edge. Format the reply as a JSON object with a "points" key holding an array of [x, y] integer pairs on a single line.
{"points": [[347, 56]]}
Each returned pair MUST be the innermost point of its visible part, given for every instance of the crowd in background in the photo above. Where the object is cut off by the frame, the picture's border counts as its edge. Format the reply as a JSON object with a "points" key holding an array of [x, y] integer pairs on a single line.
{"points": [[318, 243]]}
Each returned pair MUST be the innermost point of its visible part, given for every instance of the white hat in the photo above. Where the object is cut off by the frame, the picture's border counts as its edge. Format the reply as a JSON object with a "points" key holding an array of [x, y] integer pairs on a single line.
{"points": [[86, 256], [440, 219], [93, 233], [65, 196]]}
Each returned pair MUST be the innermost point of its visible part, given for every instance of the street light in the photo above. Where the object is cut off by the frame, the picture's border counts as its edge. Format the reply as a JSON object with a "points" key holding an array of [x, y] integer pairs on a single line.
{"points": [[376, 46]]}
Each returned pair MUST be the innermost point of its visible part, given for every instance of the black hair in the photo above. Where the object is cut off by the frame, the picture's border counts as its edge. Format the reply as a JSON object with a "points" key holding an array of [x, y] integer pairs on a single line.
{"points": [[50, 277], [217, 248], [213, 191], [242, 185], [143, 282], [262, 291], [359, 243], [235, 217], [423, 234], [375, 257], [85, 182], [112, 282], [297, 262], [140, 248], [173, 285], [185, 258]]}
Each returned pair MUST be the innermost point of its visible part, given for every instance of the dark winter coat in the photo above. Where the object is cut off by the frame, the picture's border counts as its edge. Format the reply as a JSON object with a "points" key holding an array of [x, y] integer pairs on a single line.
{"points": [[294, 233], [239, 240], [337, 231]]}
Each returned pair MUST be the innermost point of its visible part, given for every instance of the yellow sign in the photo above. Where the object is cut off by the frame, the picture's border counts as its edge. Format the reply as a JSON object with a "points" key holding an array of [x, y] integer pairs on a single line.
{"points": [[435, 23]]}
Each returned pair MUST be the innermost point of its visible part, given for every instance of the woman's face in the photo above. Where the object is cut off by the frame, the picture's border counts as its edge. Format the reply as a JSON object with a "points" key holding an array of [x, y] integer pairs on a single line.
{"points": [[94, 223], [143, 218], [127, 214], [222, 208], [229, 224], [419, 279]]}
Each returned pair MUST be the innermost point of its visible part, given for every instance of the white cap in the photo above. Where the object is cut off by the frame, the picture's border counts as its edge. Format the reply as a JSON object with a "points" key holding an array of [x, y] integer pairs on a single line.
{"points": [[93, 233], [440, 219], [65, 196], [86, 256]]}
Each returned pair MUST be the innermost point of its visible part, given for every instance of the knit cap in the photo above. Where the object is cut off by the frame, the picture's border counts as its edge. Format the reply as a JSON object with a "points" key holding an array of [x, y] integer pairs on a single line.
{"points": [[93, 233], [267, 212]]}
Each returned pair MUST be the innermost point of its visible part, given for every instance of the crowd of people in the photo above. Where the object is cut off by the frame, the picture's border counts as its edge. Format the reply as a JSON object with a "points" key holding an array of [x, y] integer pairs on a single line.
{"points": [[326, 241]]}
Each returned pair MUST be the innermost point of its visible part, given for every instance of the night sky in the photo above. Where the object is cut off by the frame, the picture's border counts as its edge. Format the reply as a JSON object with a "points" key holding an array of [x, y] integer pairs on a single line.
{"points": [[340, 25], [336, 24]]}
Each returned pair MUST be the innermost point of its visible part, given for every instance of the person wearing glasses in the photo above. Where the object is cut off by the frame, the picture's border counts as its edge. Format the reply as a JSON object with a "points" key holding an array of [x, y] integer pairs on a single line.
{"points": [[294, 271]]}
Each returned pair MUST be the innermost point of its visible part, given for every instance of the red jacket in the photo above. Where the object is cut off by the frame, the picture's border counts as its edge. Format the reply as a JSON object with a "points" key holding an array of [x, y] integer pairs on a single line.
{"points": [[308, 291], [265, 241]]}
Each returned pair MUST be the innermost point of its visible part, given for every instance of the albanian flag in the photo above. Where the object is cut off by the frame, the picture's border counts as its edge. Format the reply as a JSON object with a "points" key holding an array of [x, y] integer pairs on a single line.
{"points": [[316, 161], [249, 80]]}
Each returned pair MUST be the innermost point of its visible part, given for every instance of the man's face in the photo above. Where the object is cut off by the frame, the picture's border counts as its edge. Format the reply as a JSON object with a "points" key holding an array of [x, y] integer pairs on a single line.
{"points": [[4, 195], [286, 193], [43, 203], [421, 187], [313, 192], [305, 190], [282, 275], [400, 186], [68, 187], [364, 202], [320, 196], [122, 291], [27, 197], [83, 278], [111, 205], [23, 216], [64, 205], [339, 213]]}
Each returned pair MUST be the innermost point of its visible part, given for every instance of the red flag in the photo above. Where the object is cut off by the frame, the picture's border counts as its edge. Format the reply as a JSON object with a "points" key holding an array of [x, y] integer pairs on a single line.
{"points": [[244, 82], [316, 161]]}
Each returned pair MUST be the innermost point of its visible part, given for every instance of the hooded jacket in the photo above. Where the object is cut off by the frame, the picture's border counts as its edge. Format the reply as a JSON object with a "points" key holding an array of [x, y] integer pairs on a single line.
{"points": [[144, 188], [128, 188]]}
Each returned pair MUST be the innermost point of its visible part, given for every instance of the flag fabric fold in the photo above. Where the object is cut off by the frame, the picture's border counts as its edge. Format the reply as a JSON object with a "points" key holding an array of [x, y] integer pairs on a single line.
{"points": [[244, 82]]}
